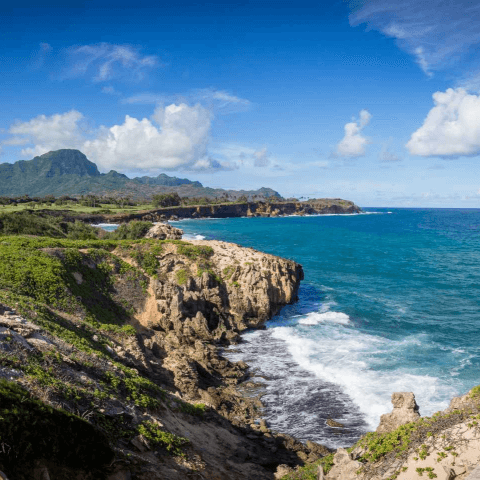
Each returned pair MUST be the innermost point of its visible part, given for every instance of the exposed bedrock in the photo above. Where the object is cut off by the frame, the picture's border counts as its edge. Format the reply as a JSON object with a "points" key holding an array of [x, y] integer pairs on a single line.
{"points": [[445, 446], [231, 210], [207, 296]]}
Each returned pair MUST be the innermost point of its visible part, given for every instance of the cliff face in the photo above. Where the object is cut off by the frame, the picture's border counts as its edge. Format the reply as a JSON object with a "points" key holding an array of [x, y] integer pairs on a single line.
{"points": [[124, 336], [210, 292], [251, 209]]}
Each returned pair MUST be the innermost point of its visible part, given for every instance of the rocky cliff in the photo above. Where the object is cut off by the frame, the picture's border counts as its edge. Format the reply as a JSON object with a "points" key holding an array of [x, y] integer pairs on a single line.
{"points": [[405, 446], [250, 209], [120, 341]]}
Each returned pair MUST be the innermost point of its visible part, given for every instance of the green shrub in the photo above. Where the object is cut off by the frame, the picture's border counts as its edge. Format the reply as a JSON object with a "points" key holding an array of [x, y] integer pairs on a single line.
{"points": [[156, 436], [194, 252], [166, 200], [28, 223], [131, 231], [182, 276], [310, 471]]}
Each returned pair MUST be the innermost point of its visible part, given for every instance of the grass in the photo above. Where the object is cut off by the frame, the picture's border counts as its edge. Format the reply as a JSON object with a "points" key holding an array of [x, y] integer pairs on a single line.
{"points": [[75, 208]]}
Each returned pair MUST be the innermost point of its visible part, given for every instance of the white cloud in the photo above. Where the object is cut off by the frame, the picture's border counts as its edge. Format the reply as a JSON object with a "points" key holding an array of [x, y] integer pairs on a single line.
{"points": [[261, 158], [451, 128], [353, 143], [422, 61], [219, 101], [144, 99], [437, 33], [386, 155], [105, 61], [222, 100], [175, 137], [110, 90], [15, 141], [208, 165], [48, 133], [226, 97]]}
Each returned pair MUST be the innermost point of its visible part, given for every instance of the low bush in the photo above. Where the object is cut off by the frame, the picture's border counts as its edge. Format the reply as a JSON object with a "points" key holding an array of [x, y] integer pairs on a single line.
{"points": [[131, 231]]}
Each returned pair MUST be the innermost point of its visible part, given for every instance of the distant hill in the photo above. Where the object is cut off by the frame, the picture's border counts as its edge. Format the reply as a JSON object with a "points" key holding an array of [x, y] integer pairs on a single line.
{"points": [[69, 172]]}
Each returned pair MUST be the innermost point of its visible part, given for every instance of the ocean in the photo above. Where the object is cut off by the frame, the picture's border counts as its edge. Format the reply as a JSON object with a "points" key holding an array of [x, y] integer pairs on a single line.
{"points": [[390, 302]]}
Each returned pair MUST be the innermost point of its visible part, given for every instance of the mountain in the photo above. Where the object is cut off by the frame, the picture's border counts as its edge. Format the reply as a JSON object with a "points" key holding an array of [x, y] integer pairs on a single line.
{"points": [[165, 180], [69, 172]]}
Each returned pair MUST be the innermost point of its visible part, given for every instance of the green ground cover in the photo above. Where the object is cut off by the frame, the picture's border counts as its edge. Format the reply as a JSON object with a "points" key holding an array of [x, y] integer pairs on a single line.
{"points": [[77, 208]]}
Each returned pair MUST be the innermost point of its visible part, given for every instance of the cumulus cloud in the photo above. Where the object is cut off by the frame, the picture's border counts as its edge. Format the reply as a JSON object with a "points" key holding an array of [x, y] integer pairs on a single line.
{"points": [[48, 133], [261, 158], [438, 34], [174, 137], [451, 128], [353, 143], [105, 61]]}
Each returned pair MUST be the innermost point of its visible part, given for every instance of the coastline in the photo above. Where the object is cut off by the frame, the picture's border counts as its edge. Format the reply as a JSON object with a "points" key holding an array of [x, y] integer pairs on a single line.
{"points": [[168, 371], [229, 210]]}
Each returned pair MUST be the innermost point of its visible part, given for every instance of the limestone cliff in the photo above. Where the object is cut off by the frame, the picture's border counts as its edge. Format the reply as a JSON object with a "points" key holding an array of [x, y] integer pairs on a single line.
{"points": [[125, 336], [319, 206]]}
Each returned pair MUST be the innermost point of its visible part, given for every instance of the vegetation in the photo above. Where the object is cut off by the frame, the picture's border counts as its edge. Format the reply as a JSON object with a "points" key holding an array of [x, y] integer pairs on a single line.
{"points": [[181, 276], [195, 252], [31, 430], [166, 200], [27, 223], [156, 436], [131, 231], [310, 471], [69, 172]]}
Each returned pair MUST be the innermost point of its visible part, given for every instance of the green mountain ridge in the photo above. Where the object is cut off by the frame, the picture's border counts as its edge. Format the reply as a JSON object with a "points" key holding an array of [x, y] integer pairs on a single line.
{"points": [[69, 172]]}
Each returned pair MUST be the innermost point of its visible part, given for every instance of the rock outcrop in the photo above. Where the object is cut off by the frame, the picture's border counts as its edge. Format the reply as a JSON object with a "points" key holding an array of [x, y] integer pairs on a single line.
{"points": [[344, 467], [405, 446], [405, 410], [134, 349], [164, 231]]}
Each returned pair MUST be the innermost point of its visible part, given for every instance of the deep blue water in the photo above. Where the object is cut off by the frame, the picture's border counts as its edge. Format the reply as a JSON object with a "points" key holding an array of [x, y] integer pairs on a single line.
{"points": [[390, 302]]}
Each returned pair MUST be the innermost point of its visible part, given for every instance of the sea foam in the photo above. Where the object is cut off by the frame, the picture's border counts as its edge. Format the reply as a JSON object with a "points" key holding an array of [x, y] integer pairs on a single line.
{"points": [[315, 318]]}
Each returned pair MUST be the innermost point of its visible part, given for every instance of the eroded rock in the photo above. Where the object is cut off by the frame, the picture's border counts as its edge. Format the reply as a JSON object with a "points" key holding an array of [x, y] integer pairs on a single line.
{"points": [[164, 231], [344, 467], [405, 410]]}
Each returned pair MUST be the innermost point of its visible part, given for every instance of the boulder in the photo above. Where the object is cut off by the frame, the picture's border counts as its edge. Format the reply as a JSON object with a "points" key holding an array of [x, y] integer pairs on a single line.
{"points": [[282, 470], [405, 410], [164, 231], [344, 467]]}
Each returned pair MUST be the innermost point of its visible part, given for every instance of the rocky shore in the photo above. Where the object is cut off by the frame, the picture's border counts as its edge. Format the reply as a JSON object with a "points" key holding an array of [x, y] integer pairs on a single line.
{"points": [[149, 380], [111, 368], [321, 206]]}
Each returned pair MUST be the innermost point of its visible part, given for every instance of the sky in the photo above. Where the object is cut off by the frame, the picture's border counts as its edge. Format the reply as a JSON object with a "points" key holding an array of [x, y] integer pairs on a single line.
{"points": [[370, 100]]}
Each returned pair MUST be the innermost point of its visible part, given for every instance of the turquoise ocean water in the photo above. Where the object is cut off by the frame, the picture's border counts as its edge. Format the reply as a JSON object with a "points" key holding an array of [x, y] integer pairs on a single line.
{"points": [[390, 302]]}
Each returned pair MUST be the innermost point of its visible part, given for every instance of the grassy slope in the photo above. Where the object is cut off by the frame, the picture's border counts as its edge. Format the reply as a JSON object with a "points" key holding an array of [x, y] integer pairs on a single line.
{"points": [[92, 316]]}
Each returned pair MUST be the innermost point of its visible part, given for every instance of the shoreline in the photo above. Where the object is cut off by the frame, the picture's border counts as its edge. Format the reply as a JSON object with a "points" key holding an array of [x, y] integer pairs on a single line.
{"points": [[230, 210]]}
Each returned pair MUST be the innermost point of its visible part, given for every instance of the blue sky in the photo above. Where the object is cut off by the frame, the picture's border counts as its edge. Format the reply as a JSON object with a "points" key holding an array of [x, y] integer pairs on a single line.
{"points": [[374, 101]]}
